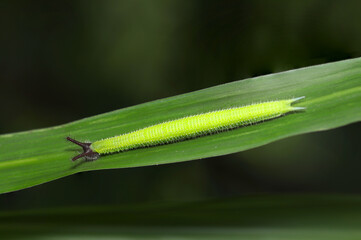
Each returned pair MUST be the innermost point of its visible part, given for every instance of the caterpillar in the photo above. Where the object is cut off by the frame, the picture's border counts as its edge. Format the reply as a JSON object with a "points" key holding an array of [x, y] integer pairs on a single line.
{"points": [[187, 127]]}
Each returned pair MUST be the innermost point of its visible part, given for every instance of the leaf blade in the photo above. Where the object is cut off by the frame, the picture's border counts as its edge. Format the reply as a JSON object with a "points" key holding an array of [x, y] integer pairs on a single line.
{"points": [[333, 97]]}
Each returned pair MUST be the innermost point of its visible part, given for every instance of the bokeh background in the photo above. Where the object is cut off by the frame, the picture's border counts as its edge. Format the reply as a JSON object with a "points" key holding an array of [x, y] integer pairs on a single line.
{"points": [[61, 61]]}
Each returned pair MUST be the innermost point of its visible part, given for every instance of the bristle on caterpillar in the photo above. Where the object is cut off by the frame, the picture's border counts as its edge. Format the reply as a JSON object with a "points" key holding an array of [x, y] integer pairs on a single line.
{"points": [[188, 127]]}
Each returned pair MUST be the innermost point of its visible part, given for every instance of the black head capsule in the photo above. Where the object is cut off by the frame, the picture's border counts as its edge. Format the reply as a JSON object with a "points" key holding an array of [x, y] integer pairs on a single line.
{"points": [[88, 153]]}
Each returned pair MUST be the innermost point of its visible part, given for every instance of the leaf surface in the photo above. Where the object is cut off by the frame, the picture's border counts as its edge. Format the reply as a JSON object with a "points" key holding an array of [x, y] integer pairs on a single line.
{"points": [[333, 99]]}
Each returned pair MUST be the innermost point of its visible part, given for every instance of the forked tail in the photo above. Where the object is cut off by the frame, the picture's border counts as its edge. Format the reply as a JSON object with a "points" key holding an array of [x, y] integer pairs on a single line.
{"points": [[295, 100]]}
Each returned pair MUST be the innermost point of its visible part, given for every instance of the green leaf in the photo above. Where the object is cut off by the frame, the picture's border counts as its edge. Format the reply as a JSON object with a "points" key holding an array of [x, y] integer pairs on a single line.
{"points": [[263, 217], [333, 97]]}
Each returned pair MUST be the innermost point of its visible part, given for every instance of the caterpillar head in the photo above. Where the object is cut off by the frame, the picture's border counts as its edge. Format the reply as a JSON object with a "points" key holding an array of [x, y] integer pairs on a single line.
{"points": [[88, 153]]}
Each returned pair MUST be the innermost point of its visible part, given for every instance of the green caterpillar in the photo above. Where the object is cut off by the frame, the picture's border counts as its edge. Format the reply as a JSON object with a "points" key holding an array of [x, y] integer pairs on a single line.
{"points": [[187, 127]]}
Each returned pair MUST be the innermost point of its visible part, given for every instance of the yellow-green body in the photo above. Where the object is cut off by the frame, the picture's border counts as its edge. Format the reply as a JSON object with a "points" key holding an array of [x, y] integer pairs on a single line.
{"points": [[195, 125]]}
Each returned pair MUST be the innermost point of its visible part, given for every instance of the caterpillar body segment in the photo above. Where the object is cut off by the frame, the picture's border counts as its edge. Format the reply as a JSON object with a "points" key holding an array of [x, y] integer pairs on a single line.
{"points": [[188, 127]]}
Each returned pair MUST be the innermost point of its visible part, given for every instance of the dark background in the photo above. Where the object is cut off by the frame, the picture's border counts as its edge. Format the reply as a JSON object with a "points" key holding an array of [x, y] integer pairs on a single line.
{"points": [[61, 61]]}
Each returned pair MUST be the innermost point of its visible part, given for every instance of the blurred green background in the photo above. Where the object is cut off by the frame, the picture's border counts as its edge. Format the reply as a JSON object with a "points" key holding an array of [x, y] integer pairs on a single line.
{"points": [[61, 61]]}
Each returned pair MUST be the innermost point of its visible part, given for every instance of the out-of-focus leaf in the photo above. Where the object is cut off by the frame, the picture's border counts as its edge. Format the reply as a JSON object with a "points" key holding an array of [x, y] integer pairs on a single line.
{"points": [[272, 217]]}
